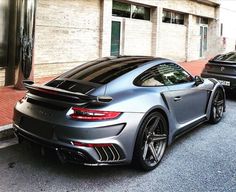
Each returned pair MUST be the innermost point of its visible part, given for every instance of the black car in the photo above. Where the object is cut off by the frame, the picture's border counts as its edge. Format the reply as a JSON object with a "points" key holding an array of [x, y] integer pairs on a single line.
{"points": [[223, 68]]}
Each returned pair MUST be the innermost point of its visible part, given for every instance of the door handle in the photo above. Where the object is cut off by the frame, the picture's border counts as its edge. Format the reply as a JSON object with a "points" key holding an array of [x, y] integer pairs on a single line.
{"points": [[177, 98]]}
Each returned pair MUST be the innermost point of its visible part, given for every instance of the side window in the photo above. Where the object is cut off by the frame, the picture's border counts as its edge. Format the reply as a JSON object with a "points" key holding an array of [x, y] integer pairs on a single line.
{"points": [[163, 74]]}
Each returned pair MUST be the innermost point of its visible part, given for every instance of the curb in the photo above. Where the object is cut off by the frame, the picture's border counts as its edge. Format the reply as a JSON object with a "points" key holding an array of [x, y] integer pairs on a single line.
{"points": [[6, 132]]}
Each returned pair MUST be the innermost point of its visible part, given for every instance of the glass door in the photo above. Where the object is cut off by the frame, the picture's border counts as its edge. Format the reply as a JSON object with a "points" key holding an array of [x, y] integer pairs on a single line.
{"points": [[203, 40], [115, 38]]}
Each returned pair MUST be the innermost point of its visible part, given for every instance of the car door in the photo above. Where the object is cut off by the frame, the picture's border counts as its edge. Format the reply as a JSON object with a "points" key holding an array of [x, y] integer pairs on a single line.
{"points": [[186, 101]]}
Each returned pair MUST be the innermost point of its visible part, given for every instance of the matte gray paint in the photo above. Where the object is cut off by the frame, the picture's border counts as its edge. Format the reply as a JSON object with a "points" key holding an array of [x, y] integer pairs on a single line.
{"points": [[135, 103]]}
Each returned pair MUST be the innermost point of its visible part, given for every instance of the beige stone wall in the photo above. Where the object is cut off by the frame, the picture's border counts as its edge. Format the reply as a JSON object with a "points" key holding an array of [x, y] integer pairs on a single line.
{"points": [[189, 6], [193, 39], [67, 32], [172, 41], [47, 70], [137, 37], [70, 32], [2, 77], [146, 2], [230, 44]]}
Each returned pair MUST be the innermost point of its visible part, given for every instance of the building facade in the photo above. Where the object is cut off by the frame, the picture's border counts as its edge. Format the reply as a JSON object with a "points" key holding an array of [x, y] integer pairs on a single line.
{"points": [[71, 32], [227, 25]]}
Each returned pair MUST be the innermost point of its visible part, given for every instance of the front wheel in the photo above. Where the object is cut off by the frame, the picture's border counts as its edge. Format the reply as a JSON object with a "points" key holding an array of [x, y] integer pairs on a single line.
{"points": [[217, 108], [151, 142]]}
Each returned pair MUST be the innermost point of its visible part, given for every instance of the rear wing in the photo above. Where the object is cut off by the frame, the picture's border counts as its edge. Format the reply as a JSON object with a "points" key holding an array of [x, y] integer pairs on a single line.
{"points": [[64, 94]]}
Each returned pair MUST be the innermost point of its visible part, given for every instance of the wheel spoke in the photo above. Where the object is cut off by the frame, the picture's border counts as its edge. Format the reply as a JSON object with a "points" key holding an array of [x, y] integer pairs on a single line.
{"points": [[217, 96], [214, 112], [158, 137], [145, 150], [219, 103], [153, 151], [219, 111], [154, 125]]}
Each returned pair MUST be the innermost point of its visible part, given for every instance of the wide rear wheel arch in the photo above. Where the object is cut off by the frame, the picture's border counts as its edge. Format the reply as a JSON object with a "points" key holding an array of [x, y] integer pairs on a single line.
{"points": [[217, 106], [155, 110], [161, 130]]}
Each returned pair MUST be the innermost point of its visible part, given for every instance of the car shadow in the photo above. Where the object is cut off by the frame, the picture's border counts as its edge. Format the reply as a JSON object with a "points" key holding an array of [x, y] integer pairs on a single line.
{"points": [[25, 155], [186, 136], [28, 155]]}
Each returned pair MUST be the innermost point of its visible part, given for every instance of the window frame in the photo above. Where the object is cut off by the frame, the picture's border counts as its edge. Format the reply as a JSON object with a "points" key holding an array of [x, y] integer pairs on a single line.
{"points": [[132, 5], [173, 15], [135, 80], [201, 20], [119, 2]]}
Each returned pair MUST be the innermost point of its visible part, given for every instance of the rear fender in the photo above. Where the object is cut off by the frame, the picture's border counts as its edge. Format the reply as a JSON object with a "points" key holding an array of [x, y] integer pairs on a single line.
{"points": [[217, 85]]}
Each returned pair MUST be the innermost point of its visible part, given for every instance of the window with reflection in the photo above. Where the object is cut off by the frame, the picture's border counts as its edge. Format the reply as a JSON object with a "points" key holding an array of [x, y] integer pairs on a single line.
{"points": [[121, 9], [173, 17], [163, 75], [139, 12]]}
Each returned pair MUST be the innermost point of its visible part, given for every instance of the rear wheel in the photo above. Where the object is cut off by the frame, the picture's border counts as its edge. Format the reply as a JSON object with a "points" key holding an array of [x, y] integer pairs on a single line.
{"points": [[151, 142], [217, 108]]}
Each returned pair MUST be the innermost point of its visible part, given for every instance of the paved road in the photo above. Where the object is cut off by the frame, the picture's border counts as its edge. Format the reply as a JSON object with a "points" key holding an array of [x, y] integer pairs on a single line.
{"points": [[203, 160]]}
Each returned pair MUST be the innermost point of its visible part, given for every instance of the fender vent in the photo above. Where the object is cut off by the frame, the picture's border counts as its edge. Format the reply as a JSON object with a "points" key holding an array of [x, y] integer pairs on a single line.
{"points": [[110, 154]]}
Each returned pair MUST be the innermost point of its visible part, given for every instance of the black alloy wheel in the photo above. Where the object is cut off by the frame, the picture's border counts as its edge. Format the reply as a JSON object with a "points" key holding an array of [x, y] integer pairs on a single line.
{"points": [[151, 142], [217, 108]]}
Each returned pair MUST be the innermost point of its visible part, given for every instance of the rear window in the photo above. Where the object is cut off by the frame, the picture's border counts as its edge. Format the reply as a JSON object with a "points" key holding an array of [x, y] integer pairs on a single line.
{"points": [[103, 71], [229, 57]]}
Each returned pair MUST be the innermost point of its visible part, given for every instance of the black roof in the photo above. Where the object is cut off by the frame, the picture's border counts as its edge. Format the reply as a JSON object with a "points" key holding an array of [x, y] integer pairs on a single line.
{"points": [[106, 69]]}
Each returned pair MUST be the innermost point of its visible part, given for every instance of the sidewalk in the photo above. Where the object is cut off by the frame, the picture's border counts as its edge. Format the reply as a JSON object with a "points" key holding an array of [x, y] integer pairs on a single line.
{"points": [[9, 96]]}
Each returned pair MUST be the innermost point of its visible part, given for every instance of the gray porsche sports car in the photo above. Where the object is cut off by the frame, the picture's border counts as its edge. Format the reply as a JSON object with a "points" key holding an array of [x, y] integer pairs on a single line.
{"points": [[117, 110]]}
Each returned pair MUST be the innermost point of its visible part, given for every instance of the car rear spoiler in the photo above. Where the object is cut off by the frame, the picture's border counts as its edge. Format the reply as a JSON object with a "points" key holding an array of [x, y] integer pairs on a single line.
{"points": [[37, 89]]}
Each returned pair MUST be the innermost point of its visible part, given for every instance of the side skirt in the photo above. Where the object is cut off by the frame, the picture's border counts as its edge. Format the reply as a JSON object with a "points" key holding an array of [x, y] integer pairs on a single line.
{"points": [[188, 128]]}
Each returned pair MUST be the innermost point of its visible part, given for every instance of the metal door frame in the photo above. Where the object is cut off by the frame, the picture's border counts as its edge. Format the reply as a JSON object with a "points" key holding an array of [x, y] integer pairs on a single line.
{"points": [[202, 51]]}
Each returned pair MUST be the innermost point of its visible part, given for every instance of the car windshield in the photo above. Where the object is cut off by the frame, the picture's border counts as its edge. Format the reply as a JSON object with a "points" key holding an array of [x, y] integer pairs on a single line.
{"points": [[229, 57], [104, 70]]}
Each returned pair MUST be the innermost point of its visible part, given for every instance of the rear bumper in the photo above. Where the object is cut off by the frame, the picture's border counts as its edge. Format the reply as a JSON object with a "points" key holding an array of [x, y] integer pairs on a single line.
{"points": [[66, 152], [52, 128], [231, 79]]}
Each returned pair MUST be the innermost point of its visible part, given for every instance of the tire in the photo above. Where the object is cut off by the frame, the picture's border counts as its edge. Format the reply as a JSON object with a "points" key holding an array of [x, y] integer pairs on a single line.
{"points": [[217, 107], [151, 142]]}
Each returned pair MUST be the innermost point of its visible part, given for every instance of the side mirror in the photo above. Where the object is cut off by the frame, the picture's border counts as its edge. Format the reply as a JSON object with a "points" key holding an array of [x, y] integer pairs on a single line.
{"points": [[198, 80]]}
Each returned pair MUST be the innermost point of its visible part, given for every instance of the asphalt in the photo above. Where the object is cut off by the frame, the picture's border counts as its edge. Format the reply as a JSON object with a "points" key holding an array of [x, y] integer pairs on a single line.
{"points": [[6, 132], [203, 160]]}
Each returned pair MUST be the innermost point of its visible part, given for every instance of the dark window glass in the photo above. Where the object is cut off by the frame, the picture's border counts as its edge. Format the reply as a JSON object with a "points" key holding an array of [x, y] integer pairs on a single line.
{"points": [[232, 58], [139, 12], [173, 17], [106, 70], [229, 57], [121, 9], [164, 74], [115, 38], [177, 18], [166, 16], [204, 20]]}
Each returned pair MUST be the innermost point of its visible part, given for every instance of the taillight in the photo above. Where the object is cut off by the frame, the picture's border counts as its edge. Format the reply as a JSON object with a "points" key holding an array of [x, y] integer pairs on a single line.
{"points": [[92, 115], [79, 144]]}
